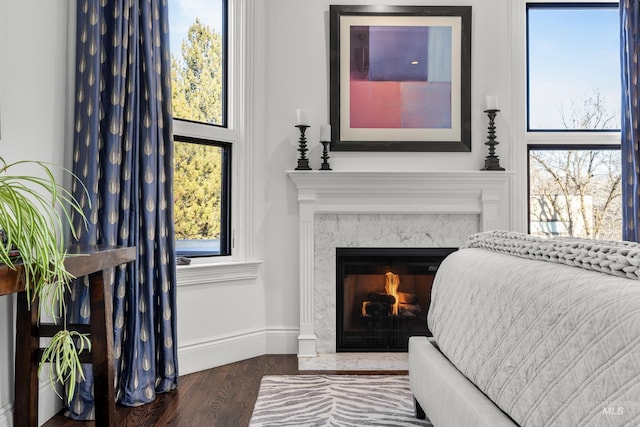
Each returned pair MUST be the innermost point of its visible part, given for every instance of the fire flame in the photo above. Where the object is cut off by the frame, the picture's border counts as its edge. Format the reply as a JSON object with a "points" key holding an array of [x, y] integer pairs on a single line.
{"points": [[364, 308], [392, 282]]}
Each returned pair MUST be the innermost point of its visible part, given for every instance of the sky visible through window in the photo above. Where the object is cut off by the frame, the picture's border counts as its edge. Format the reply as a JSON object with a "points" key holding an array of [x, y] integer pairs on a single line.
{"points": [[573, 55], [183, 13]]}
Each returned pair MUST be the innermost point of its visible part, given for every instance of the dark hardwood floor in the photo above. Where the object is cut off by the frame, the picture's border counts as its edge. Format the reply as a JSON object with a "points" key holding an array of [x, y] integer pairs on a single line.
{"points": [[221, 397]]}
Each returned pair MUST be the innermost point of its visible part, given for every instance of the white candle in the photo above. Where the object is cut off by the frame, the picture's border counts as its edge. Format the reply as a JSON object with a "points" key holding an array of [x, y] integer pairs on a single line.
{"points": [[301, 118], [325, 132], [492, 102]]}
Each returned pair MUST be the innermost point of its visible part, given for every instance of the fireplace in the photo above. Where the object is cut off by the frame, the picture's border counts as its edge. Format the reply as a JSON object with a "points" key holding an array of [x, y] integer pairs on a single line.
{"points": [[410, 209], [383, 296]]}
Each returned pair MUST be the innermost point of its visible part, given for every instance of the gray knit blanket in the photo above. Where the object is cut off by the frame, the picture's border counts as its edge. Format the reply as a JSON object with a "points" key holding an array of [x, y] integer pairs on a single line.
{"points": [[618, 258]]}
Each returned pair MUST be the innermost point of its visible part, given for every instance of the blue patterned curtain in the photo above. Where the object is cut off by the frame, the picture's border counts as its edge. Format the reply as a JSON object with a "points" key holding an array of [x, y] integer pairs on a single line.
{"points": [[630, 49], [123, 153]]}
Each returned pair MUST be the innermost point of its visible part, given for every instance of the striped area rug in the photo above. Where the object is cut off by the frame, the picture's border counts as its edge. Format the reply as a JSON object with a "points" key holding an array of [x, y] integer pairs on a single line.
{"points": [[335, 400]]}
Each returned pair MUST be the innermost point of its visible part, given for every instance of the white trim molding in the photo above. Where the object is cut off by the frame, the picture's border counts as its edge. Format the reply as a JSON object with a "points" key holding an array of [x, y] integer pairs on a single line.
{"points": [[484, 193], [217, 351], [49, 404], [203, 274]]}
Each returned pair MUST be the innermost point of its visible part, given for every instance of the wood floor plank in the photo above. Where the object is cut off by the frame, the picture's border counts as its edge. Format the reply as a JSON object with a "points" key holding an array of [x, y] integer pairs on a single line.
{"points": [[221, 397]]}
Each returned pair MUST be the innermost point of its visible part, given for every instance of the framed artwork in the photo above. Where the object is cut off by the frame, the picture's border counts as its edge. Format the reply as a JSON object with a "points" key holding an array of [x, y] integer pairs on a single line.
{"points": [[400, 78]]}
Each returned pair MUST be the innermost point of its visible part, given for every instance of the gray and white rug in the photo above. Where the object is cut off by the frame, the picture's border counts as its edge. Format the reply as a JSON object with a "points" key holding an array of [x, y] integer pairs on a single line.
{"points": [[335, 400]]}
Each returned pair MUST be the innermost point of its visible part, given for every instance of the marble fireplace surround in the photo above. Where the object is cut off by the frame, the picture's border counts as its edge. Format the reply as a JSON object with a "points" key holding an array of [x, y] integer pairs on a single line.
{"points": [[382, 209]]}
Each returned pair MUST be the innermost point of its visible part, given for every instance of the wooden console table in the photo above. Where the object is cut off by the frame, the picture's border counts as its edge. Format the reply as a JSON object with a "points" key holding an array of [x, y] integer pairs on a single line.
{"points": [[97, 263]]}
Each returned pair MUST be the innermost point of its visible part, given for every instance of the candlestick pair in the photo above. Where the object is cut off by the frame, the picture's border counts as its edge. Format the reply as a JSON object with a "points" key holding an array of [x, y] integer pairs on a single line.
{"points": [[303, 161]]}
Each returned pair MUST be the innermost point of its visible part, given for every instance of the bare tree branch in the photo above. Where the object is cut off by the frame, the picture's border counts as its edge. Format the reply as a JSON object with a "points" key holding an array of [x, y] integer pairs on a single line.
{"points": [[579, 189]]}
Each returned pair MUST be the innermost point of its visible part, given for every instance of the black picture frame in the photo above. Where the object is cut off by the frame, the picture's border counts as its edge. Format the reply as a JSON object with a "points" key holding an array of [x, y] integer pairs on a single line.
{"points": [[375, 121]]}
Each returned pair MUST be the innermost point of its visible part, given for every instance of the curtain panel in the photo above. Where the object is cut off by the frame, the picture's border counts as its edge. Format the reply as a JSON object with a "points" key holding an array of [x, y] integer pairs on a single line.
{"points": [[630, 112], [123, 148]]}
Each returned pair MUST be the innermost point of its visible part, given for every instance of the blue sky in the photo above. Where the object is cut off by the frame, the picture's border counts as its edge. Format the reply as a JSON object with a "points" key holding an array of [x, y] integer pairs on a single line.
{"points": [[183, 13], [572, 53]]}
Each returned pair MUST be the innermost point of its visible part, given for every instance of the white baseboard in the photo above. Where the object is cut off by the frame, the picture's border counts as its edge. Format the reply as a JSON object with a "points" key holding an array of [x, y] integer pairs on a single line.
{"points": [[218, 351], [49, 404], [6, 415], [282, 340]]}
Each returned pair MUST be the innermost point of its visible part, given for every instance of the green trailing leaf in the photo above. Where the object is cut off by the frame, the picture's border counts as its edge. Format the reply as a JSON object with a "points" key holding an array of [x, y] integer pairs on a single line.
{"points": [[64, 363], [34, 214]]}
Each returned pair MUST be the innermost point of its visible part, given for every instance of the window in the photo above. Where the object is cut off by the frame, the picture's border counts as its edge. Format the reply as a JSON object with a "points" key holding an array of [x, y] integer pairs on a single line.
{"points": [[575, 191], [573, 67], [573, 119], [203, 141], [201, 171]]}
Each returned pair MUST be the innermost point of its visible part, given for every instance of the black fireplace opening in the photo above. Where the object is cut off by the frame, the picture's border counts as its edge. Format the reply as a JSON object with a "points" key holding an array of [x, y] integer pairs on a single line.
{"points": [[383, 296]]}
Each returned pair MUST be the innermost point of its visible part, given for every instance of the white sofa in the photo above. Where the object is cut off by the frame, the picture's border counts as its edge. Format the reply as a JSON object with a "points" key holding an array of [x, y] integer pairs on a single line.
{"points": [[532, 332]]}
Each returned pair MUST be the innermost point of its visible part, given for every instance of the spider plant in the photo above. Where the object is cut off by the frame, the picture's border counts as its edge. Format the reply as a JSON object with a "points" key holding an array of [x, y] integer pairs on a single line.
{"points": [[34, 213]]}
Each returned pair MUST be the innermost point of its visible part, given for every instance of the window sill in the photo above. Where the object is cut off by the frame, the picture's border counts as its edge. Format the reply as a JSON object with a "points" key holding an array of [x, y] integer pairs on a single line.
{"points": [[207, 273]]}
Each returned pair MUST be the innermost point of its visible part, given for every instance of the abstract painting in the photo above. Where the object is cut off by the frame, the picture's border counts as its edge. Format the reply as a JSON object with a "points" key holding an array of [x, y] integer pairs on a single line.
{"points": [[400, 78]]}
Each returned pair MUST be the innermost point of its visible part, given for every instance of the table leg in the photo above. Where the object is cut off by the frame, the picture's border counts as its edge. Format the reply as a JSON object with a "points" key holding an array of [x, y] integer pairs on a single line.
{"points": [[25, 406], [102, 355]]}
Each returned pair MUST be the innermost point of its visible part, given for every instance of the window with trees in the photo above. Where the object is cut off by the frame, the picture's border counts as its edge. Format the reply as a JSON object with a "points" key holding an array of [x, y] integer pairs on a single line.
{"points": [[203, 141], [573, 119]]}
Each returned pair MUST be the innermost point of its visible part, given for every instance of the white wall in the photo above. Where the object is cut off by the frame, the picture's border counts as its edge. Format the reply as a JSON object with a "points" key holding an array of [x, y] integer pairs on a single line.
{"points": [[33, 79], [219, 323], [296, 69], [222, 321]]}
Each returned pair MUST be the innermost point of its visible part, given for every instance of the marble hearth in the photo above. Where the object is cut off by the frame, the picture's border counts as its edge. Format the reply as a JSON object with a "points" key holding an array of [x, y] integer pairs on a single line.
{"points": [[381, 209]]}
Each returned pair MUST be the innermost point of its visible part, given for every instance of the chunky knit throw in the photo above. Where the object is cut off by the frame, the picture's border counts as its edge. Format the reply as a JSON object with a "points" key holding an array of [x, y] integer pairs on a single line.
{"points": [[618, 258]]}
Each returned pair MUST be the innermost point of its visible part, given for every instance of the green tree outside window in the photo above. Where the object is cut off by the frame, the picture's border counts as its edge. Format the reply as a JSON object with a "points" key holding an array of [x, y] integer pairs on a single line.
{"points": [[197, 78]]}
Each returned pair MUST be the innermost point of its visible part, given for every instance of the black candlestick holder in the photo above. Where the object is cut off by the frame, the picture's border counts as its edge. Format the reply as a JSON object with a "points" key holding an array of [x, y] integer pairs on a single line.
{"points": [[491, 162], [303, 162], [325, 156]]}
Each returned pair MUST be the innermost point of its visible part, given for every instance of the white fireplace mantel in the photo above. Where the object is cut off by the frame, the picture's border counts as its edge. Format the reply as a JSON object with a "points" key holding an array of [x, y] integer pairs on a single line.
{"points": [[484, 193]]}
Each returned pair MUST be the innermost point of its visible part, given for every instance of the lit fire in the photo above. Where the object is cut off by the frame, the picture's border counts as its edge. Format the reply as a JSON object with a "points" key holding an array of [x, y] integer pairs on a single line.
{"points": [[392, 283]]}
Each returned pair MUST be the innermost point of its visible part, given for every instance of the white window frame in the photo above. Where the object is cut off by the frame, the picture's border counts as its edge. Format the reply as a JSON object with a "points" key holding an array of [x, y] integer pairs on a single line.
{"points": [[522, 138], [240, 264]]}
